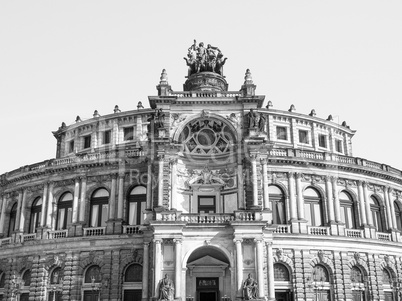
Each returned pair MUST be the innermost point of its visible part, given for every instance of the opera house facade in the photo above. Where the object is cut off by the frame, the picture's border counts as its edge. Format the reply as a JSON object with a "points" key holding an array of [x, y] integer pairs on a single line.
{"points": [[209, 194]]}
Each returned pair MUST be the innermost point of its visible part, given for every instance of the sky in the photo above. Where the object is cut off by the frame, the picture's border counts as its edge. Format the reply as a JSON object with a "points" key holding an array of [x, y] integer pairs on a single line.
{"points": [[60, 59]]}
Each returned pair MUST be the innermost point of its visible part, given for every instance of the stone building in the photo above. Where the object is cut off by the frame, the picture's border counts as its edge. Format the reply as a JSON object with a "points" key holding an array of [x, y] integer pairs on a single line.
{"points": [[206, 195]]}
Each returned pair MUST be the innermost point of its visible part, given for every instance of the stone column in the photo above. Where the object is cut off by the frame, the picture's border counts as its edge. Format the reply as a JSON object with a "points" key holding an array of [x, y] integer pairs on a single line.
{"points": [[82, 199], [292, 196], [173, 192], [23, 211], [267, 204], [367, 203], [3, 213], [17, 218], [75, 200], [336, 200], [149, 186], [300, 200], [388, 208], [160, 180], [391, 203], [157, 264], [253, 158], [260, 266], [145, 270], [271, 280], [362, 208], [330, 200], [240, 188], [120, 198], [50, 213], [112, 199], [239, 266], [44, 203], [177, 269]]}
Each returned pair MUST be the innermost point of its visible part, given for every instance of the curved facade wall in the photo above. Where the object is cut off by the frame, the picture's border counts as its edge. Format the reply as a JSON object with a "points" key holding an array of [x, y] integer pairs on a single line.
{"points": [[224, 198]]}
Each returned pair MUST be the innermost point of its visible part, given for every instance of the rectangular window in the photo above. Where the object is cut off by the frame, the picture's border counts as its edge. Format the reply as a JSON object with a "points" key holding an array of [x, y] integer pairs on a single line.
{"points": [[322, 141], [281, 133], [338, 146], [128, 134], [206, 204], [303, 137], [87, 141], [106, 137], [71, 146]]}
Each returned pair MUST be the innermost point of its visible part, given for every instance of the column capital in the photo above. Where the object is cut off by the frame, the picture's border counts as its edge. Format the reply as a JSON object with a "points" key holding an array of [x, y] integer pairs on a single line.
{"points": [[298, 175], [264, 161], [177, 241], [333, 179], [146, 244], [291, 175], [364, 183], [122, 175], [238, 240], [258, 240], [157, 240], [269, 243], [253, 156], [114, 176]]}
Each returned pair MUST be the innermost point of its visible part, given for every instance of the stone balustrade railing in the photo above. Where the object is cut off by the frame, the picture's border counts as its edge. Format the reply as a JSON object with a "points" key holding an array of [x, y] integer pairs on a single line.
{"points": [[28, 237], [354, 233], [318, 230], [95, 231], [205, 94], [57, 234], [134, 152], [131, 229]]}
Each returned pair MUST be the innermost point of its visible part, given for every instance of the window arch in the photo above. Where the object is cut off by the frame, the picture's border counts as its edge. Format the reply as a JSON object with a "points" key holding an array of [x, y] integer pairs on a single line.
{"points": [[277, 199], [133, 273], [136, 203], [313, 207], [321, 284], [13, 216], [36, 213], [93, 274], [398, 215], [376, 213], [358, 283], [64, 211], [348, 213], [99, 208]]}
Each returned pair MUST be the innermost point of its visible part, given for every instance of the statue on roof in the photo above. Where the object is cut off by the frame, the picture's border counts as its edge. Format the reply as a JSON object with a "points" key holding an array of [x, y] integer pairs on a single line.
{"points": [[201, 59]]}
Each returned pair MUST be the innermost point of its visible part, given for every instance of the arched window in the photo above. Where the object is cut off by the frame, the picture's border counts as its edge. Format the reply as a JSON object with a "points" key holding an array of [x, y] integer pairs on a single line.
{"points": [[277, 200], [357, 281], [376, 213], [26, 277], [398, 214], [93, 275], [347, 210], [281, 273], [313, 209], [320, 283], [99, 208], [11, 224], [387, 284], [133, 273], [55, 293], [36, 212], [136, 203], [64, 211], [2, 279]]}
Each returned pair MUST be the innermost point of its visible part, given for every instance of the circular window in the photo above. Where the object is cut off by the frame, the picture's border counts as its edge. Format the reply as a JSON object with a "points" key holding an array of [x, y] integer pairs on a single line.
{"points": [[206, 137]]}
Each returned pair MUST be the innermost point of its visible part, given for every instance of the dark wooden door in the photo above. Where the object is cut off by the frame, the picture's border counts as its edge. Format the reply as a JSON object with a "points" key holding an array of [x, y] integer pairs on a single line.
{"points": [[90, 296], [132, 295], [24, 297]]}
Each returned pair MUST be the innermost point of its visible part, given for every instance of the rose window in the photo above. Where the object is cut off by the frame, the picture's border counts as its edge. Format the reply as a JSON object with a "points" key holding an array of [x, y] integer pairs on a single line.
{"points": [[207, 136]]}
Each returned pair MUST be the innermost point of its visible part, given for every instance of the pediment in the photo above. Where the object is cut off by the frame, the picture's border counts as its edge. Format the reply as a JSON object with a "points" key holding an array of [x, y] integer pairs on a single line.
{"points": [[207, 261]]}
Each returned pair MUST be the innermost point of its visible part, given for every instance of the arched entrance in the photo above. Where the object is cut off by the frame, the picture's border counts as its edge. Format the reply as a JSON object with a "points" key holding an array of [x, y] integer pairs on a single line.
{"points": [[208, 276]]}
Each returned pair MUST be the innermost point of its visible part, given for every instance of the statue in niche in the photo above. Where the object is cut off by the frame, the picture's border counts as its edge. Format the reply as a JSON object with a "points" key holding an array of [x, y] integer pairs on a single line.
{"points": [[256, 121], [159, 118], [250, 288], [166, 289]]}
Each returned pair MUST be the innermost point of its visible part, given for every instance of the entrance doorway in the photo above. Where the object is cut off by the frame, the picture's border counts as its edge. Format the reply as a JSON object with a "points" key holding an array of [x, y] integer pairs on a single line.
{"points": [[207, 289], [207, 296], [132, 295], [283, 296]]}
